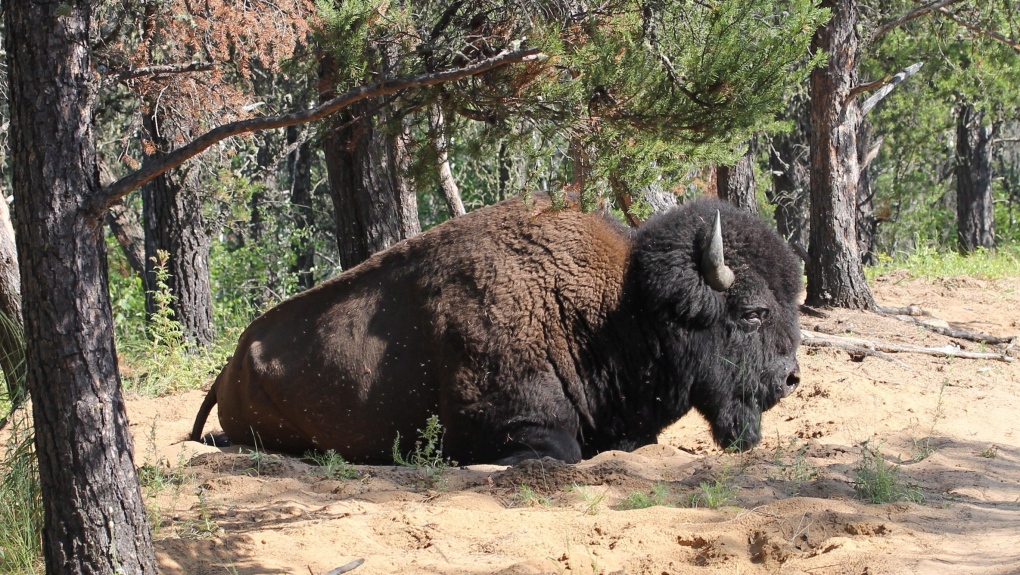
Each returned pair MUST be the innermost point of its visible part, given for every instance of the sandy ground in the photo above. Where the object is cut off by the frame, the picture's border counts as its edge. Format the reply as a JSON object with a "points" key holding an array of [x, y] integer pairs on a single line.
{"points": [[789, 506]]}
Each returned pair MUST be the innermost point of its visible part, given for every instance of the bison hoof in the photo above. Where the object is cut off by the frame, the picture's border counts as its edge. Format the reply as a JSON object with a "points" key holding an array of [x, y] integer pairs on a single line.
{"points": [[216, 439]]}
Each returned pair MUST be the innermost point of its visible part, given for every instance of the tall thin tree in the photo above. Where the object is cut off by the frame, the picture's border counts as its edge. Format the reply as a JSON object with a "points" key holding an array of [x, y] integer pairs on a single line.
{"points": [[94, 514]]}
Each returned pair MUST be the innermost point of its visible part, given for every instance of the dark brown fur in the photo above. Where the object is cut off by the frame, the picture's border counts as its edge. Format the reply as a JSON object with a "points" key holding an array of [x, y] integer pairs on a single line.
{"points": [[510, 323]]}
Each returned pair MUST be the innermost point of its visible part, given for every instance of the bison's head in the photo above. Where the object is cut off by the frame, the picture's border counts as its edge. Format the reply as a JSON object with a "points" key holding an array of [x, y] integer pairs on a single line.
{"points": [[722, 289]]}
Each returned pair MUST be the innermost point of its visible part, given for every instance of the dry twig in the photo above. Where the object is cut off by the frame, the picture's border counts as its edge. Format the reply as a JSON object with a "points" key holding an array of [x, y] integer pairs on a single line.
{"points": [[816, 339]]}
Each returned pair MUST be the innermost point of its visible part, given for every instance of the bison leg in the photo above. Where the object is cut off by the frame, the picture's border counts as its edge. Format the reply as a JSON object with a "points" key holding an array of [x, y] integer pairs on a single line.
{"points": [[535, 442]]}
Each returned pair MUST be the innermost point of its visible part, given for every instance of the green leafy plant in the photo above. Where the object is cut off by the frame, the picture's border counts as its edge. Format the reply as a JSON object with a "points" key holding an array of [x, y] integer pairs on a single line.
{"points": [[427, 455], [990, 452], [925, 446], [878, 481], [333, 465]]}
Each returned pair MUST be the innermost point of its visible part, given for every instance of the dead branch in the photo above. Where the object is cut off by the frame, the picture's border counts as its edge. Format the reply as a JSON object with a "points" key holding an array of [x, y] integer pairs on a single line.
{"points": [[153, 168], [990, 33], [911, 310], [348, 567], [816, 339], [886, 87], [913, 14], [947, 331], [851, 348]]}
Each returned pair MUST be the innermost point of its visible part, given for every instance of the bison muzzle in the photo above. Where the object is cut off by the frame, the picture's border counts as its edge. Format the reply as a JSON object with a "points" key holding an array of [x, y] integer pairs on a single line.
{"points": [[530, 332]]}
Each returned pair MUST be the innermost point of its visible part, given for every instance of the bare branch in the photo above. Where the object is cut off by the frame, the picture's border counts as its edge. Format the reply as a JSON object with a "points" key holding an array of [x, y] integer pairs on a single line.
{"points": [[883, 86], [990, 33], [157, 166], [913, 14], [816, 339], [948, 331]]}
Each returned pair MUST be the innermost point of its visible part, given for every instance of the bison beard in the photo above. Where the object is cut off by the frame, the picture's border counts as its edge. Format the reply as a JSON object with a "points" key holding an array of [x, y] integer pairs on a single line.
{"points": [[531, 332]]}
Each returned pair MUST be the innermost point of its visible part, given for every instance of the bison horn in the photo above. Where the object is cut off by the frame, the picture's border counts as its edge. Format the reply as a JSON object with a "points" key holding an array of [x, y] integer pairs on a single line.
{"points": [[717, 274]]}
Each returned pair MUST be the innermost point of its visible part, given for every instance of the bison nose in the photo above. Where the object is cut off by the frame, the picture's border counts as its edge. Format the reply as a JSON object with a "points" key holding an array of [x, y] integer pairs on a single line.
{"points": [[792, 381]]}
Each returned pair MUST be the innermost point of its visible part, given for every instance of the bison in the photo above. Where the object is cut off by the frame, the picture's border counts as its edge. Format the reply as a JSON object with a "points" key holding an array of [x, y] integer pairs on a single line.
{"points": [[530, 331]]}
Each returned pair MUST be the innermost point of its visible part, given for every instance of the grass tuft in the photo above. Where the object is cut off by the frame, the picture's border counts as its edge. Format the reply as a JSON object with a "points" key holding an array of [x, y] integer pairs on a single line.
{"points": [[526, 496], [642, 500], [878, 481]]}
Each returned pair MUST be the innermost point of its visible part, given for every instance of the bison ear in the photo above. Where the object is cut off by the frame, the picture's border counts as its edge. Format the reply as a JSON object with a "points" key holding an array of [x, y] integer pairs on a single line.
{"points": [[717, 274]]}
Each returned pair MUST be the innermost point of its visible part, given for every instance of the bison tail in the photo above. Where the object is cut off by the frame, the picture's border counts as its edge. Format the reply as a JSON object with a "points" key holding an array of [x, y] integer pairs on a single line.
{"points": [[203, 412]]}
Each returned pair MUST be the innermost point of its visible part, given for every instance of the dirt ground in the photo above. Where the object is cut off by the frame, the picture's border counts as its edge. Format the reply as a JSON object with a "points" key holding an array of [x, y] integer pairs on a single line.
{"points": [[789, 506]]}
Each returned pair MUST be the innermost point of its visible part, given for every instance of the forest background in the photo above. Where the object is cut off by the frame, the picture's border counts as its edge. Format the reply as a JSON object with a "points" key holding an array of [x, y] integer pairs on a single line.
{"points": [[630, 107]]}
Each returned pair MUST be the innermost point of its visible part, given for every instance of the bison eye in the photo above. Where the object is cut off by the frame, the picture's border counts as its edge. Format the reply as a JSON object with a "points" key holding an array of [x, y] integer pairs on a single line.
{"points": [[753, 318]]}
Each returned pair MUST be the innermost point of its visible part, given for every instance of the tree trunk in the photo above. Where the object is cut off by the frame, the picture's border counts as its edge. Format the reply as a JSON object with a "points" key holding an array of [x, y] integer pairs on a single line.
{"points": [[835, 276], [789, 163], [129, 233], [867, 221], [299, 164], [736, 183], [451, 193], [94, 514], [505, 164], [975, 215], [172, 218], [374, 205]]}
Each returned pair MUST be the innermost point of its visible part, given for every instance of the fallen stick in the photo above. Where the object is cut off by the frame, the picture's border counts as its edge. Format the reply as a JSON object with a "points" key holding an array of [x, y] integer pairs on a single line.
{"points": [[348, 567], [814, 338], [911, 310], [946, 331], [816, 342]]}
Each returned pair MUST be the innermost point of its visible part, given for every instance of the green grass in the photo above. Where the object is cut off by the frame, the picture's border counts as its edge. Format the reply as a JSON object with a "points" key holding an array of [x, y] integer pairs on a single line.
{"points": [[878, 481], [927, 262], [526, 496], [20, 501], [641, 500], [791, 466], [593, 501], [712, 494]]}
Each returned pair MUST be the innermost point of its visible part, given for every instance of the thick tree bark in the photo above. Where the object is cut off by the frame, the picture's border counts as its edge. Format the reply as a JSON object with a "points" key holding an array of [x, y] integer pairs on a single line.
{"points": [[975, 215], [451, 193], [790, 164], [374, 204], [736, 183], [172, 219], [93, 509], [299, 164], [835, 276]]}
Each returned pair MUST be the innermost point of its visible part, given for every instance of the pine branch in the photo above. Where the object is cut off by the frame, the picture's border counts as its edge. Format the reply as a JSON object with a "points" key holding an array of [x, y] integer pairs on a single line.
{"points": [[157, 166], [912, 15], [990, 33]]}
